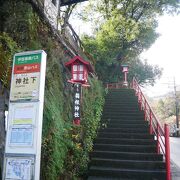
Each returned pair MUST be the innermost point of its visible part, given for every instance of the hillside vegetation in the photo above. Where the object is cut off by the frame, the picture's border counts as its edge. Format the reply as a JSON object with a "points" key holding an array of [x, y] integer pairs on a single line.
{"points": [[63, 145]]}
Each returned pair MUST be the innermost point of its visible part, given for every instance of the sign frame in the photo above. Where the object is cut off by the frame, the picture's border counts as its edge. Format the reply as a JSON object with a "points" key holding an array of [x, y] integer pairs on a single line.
{"points": [[16, 158], [19, 80], [18, 119]]}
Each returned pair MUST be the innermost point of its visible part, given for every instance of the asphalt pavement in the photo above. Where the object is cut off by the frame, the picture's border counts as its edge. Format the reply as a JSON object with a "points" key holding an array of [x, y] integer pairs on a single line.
{"points": [[175, 157]]}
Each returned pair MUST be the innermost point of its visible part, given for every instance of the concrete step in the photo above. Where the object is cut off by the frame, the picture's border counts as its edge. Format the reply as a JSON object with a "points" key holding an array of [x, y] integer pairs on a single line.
{"points": [[115, 104], [127, 155], [122, 125], [126, 135], [128, 164], [125, 141], [125, 148], [137, 116], [119, 122], [122, 118], [106, 178], [119, 108], [124, 130], [127, 111], [127, 173], [120, 113]]}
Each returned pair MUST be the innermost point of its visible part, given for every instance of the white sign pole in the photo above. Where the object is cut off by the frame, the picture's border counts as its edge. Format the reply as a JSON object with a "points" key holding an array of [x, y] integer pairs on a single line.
{"points": [[23, 140], [40, 117]]}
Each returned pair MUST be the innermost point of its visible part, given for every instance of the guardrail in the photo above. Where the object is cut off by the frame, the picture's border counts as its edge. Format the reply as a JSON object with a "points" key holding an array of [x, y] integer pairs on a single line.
{"points": [[161, 135]]}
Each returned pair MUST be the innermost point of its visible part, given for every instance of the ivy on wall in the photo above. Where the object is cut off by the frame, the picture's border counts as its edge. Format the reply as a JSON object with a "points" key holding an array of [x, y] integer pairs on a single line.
{"points": [[64, 146], [7, 49]]}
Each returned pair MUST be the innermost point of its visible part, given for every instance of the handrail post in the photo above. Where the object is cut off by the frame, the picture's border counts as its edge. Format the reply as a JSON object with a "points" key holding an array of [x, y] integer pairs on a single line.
{"points": [[145, 109], [140, 100], [136, 89], [141, 108], [167, 150], [138, 95], [150, 121], [158, 143], [133, 83], [155, 127]]}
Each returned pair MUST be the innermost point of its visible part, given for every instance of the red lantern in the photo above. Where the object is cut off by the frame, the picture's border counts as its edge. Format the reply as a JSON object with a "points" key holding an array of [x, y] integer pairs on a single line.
{"points": [[79, 70]]}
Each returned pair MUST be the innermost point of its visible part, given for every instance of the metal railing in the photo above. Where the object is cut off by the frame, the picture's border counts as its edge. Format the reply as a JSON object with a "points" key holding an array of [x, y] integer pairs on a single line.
{"points": [[161, 135]]}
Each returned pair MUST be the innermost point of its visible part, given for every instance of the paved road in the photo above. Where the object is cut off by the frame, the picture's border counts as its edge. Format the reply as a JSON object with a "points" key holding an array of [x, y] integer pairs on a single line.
{"points": [[175, 157], [175, 150]]}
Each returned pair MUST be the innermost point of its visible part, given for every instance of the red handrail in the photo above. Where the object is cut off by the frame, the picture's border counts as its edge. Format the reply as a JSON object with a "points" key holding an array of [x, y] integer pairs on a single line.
{"points": [[162, 136]]}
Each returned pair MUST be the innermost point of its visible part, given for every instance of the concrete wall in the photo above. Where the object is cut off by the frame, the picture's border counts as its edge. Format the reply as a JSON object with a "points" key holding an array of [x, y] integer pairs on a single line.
{"points": [[51, 11]]}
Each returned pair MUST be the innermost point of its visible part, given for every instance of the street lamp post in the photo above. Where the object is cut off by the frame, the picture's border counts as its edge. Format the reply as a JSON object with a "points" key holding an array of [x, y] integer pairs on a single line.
{"points": [[177, 109], [125, 70]]}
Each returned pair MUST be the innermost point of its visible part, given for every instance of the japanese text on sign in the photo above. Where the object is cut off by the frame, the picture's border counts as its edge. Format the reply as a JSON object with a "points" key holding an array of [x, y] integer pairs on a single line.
{"points": [[28, 59], [77, 101], [25, 86]]}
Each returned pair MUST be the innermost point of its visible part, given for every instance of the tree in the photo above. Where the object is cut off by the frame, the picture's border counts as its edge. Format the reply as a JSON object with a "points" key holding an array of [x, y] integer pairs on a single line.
{"points": [[144, 72], [64, 15], [122, 30], [165, 108]]}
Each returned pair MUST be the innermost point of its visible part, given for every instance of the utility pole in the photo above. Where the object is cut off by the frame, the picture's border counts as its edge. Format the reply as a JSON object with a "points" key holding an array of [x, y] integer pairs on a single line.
{"points": [[177, 108]]}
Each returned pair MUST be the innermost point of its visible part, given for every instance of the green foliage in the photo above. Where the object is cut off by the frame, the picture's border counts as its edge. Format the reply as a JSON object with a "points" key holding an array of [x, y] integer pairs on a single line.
{"points": [[83, 136], [7, 49], [92, 111], [55, 130], [144, 72], [18, 17], [165, 108], [124, 30], [64, 146]]}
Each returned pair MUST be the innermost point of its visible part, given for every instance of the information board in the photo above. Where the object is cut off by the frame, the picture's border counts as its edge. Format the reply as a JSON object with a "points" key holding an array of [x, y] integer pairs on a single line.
{"points": [[18, 168], [24, 128], [21, 136], [23, 113], [26, 77]]}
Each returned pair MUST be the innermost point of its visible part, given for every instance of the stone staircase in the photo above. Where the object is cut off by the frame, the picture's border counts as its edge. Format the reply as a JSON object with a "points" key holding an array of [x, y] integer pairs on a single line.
{"points": [[124, 149]]}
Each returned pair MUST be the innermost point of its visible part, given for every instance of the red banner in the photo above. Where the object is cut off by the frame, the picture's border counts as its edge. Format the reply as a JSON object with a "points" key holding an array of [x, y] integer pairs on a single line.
{"points": [[26, 68]]}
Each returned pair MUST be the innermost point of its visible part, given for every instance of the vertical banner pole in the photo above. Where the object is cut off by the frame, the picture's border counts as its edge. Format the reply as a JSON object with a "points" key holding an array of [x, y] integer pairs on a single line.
{"points": [[77, 104]]}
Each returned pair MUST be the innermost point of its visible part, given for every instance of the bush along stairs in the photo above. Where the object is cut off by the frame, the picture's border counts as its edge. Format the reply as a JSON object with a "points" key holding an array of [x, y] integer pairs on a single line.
{"points": [[124, 148]]}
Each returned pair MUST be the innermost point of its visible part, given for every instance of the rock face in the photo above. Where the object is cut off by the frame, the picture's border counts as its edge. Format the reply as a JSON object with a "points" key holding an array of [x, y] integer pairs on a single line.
{"points": [[63, 145], [3, 105], [2, 134]]}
